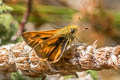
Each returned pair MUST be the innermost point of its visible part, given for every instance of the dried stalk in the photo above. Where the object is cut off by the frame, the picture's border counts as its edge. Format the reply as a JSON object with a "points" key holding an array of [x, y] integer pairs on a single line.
{"points": [[77, 58], [24, 20]]}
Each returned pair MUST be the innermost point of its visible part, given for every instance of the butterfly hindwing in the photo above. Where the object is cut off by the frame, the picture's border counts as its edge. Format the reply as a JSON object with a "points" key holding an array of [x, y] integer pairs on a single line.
{"points": [[58, 51], [52, 48], [33, 38]]}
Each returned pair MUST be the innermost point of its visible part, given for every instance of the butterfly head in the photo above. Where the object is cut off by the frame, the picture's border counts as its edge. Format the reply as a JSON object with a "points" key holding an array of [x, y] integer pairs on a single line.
{"points": [[73, 29], [69, 31]]}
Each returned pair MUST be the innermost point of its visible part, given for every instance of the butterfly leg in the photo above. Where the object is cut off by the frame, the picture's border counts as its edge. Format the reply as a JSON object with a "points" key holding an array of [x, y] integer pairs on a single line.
{"points": [[67, 43], [77, 39], [80, 43]]}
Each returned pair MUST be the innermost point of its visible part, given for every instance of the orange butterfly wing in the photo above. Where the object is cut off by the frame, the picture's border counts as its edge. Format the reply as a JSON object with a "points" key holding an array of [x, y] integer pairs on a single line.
{"points": [[33, 38], [52, 48], [45, 45]]}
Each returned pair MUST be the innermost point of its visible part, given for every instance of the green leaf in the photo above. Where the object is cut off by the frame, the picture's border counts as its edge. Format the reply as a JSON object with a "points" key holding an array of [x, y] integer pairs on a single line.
{"points": [[4, 8], [93, 74], [8, 27]]}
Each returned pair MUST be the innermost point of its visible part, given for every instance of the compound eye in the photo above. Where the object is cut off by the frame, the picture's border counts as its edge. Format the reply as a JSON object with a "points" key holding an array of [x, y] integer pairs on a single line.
{"points": [[72, 30]]}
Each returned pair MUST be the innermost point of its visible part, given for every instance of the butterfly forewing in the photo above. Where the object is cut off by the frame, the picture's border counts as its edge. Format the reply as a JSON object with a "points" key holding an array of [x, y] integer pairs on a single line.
{"points": [[33, 38]]}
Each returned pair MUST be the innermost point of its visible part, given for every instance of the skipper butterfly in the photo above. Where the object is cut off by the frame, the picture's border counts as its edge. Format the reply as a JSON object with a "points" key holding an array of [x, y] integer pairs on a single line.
{"points": [[52, 43]]}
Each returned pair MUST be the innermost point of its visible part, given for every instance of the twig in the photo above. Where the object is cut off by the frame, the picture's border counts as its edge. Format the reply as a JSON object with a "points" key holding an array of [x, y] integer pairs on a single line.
{"points": [[24, 20], [77, 58]]}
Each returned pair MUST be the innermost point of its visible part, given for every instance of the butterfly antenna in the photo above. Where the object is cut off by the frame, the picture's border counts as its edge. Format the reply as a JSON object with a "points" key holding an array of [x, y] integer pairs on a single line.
{"points": [[75, 20]]}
